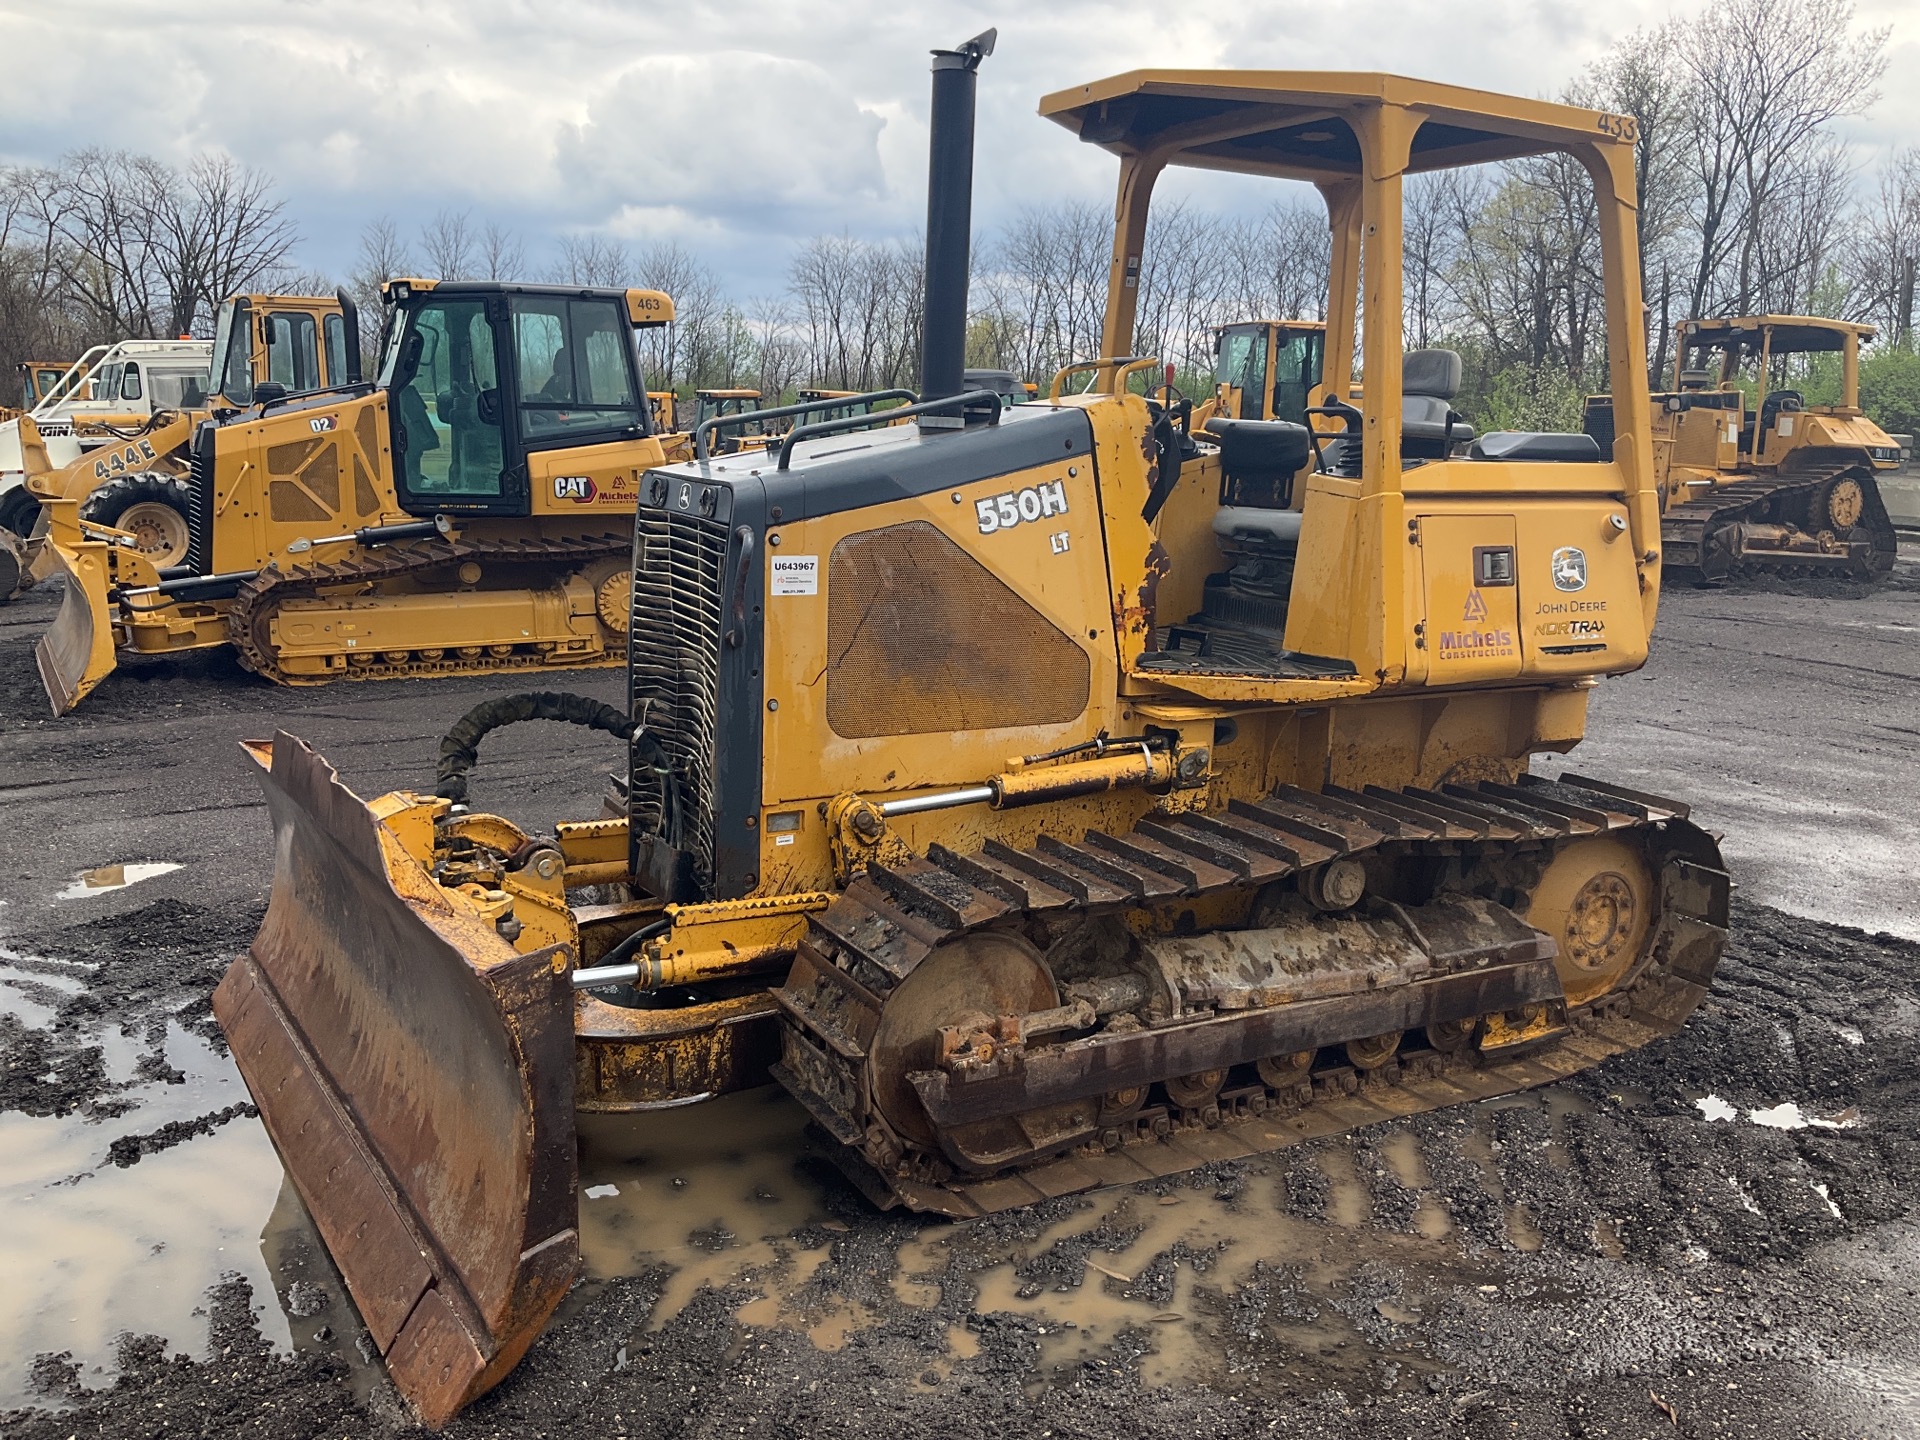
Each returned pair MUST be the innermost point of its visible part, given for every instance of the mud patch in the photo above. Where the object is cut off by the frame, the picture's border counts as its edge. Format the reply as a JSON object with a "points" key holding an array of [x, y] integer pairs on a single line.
{"points": [[1537, 1265]]}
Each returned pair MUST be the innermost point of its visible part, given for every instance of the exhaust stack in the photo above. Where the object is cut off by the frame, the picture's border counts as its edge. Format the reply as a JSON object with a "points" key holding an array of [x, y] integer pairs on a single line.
{"points": [[943, 346]]}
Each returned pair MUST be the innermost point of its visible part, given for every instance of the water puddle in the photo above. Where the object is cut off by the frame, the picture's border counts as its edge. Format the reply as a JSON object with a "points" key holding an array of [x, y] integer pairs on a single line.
{"points": [[103, 878], [1787, 1115], [1173, 1268], [92, 1250], [1348, 1203], [714, 1191]]}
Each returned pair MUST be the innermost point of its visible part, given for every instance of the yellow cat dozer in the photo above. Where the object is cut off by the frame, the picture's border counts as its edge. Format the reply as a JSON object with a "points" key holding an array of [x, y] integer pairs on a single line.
{"points": [[1753, 479], [469, 511], [987, 791]]}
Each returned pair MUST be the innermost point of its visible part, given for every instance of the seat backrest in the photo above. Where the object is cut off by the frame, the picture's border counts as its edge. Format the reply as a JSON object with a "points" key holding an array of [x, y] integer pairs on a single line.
{"points": [[1431, 372]]}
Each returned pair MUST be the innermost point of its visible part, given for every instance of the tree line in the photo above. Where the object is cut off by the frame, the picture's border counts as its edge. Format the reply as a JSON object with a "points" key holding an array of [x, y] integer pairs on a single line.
{"points": [[1750, 203]]}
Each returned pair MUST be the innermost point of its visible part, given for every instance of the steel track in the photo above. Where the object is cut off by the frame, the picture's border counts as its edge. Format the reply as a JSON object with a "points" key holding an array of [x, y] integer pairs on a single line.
{"points": [[888, 921], [257, 599], [1694, 555]]}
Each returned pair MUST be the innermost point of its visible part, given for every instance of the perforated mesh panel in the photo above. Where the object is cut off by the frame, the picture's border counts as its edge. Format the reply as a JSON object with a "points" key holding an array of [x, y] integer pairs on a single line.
{"points": [[673, 667], [923, 639]]}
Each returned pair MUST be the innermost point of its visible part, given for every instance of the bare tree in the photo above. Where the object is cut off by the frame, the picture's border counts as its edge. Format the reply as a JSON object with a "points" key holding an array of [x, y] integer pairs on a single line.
{"points": [[1884, 245], [592, 260], [1767, 79], [502, 257], [451, 248]]}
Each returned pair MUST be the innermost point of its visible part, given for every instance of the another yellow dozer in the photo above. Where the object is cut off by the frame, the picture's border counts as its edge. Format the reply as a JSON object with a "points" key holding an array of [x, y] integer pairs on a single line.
{"points": [[470, 511], [1753, 480], [983, 793]]}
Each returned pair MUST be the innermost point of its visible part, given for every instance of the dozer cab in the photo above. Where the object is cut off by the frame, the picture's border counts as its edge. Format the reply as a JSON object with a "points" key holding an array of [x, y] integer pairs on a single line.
{"points": [[468, 511], [972, 798], [1754, 480]]}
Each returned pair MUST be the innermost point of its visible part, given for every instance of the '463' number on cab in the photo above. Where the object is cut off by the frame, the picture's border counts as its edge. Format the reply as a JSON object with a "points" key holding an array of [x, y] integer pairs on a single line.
{"points": [[1016, 507]]}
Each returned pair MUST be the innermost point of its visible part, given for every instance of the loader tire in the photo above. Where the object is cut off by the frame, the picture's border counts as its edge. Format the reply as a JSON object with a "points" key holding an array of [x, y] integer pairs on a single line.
{"points": [[153, 507], [18, 511]]}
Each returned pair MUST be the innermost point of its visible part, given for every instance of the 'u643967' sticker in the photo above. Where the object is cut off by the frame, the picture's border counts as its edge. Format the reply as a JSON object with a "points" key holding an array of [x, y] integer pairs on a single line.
{"points": [[1017, 507]]}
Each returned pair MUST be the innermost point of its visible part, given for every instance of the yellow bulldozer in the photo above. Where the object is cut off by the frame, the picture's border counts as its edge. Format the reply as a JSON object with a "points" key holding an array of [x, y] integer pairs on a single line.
{"points": [[468, 511], [1754, 480], [973, 797]]}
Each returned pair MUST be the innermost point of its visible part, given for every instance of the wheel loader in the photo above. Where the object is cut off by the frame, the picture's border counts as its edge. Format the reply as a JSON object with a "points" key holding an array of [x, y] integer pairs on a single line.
{"points": [[127, 465], [468, 511], [1753, 480], [973, 795]]}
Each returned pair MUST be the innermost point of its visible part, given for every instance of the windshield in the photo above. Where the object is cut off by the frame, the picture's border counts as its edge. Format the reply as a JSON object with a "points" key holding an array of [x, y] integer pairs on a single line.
{"points": [[176, 389]]}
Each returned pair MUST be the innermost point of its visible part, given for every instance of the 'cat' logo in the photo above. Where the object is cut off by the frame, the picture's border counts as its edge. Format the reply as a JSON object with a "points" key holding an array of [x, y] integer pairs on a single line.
{"points": [[578, 488]]}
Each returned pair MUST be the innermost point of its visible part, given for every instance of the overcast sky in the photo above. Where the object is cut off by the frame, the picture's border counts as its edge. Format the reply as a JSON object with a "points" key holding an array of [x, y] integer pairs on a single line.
{"points": [[738, 128]]}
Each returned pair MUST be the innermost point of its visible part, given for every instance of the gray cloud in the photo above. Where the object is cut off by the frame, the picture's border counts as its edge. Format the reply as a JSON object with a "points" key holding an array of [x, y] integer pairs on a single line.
{"points": [[737, 128]]}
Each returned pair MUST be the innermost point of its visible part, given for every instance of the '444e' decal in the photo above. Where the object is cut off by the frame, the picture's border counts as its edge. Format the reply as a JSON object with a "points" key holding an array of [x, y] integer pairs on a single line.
{"points": [[1036, 502]]}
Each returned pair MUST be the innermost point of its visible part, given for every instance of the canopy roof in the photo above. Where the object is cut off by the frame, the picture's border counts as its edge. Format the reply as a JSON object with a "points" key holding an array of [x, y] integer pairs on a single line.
{"points": [[1792, 334], [1292, 123]]}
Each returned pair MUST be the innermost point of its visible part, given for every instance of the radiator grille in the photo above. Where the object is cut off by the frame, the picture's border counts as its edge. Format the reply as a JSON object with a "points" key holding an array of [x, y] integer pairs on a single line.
{"points": [[673, 671], [200, 503]]}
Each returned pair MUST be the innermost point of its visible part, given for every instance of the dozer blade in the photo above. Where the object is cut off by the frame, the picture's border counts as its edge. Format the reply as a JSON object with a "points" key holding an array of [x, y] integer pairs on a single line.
{"points": [[77, 652], [416, 1075]]}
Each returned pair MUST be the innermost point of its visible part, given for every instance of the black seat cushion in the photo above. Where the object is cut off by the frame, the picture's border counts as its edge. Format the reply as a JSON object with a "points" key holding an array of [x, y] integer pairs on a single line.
{"points": [[1535, 445], [1261, 449]]}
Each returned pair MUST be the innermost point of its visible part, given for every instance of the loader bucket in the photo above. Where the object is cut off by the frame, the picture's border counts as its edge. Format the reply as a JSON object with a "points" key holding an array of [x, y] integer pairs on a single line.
{"points": [[416, 1075], [13, 565], [77, 652]]}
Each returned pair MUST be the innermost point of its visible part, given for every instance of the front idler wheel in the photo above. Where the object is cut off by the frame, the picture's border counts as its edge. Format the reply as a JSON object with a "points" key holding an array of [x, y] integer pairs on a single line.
{"points": [[1596, 899], [983, 976]]}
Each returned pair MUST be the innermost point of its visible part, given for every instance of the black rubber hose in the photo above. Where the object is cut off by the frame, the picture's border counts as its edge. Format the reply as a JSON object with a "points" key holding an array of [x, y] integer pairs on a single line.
{"points": [[460, 749]]}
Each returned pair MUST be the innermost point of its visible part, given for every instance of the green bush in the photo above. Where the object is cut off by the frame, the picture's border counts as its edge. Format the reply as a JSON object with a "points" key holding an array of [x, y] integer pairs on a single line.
{"points": [[1890, 389]]}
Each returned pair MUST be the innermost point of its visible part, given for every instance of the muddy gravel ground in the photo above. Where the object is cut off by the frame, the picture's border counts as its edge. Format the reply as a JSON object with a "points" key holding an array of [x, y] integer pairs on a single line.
{"points": [[1715, 1236]]}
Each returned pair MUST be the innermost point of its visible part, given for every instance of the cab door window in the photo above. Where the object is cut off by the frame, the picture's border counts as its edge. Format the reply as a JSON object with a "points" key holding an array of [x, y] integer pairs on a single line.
{"points": [[293, 356], [444, 379], [1296, 370], [575, 366], [130, 382], [335, 334]]}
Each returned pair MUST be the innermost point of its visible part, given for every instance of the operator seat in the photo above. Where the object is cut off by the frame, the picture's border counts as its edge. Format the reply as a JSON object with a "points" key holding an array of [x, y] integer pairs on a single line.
{"points": [[1429, 428], [1258, 530]]}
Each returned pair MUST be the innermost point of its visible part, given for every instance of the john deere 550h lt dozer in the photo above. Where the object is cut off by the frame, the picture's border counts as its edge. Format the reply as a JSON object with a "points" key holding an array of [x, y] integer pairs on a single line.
{"points": [[468, 512], [1003, 810]]}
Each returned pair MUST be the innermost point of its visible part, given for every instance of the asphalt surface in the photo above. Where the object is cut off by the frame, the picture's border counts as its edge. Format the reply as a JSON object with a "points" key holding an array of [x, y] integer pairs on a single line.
{"points": [[1655, 1248]]}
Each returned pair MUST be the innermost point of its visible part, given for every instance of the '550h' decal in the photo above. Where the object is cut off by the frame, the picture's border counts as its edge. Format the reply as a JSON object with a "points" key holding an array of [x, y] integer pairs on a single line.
{"points": [[1036, 502]]}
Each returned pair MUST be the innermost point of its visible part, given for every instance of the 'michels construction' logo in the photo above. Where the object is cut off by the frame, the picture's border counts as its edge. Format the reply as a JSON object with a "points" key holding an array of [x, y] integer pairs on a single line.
{"points": [[1569, 568], [1479, 641]]}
